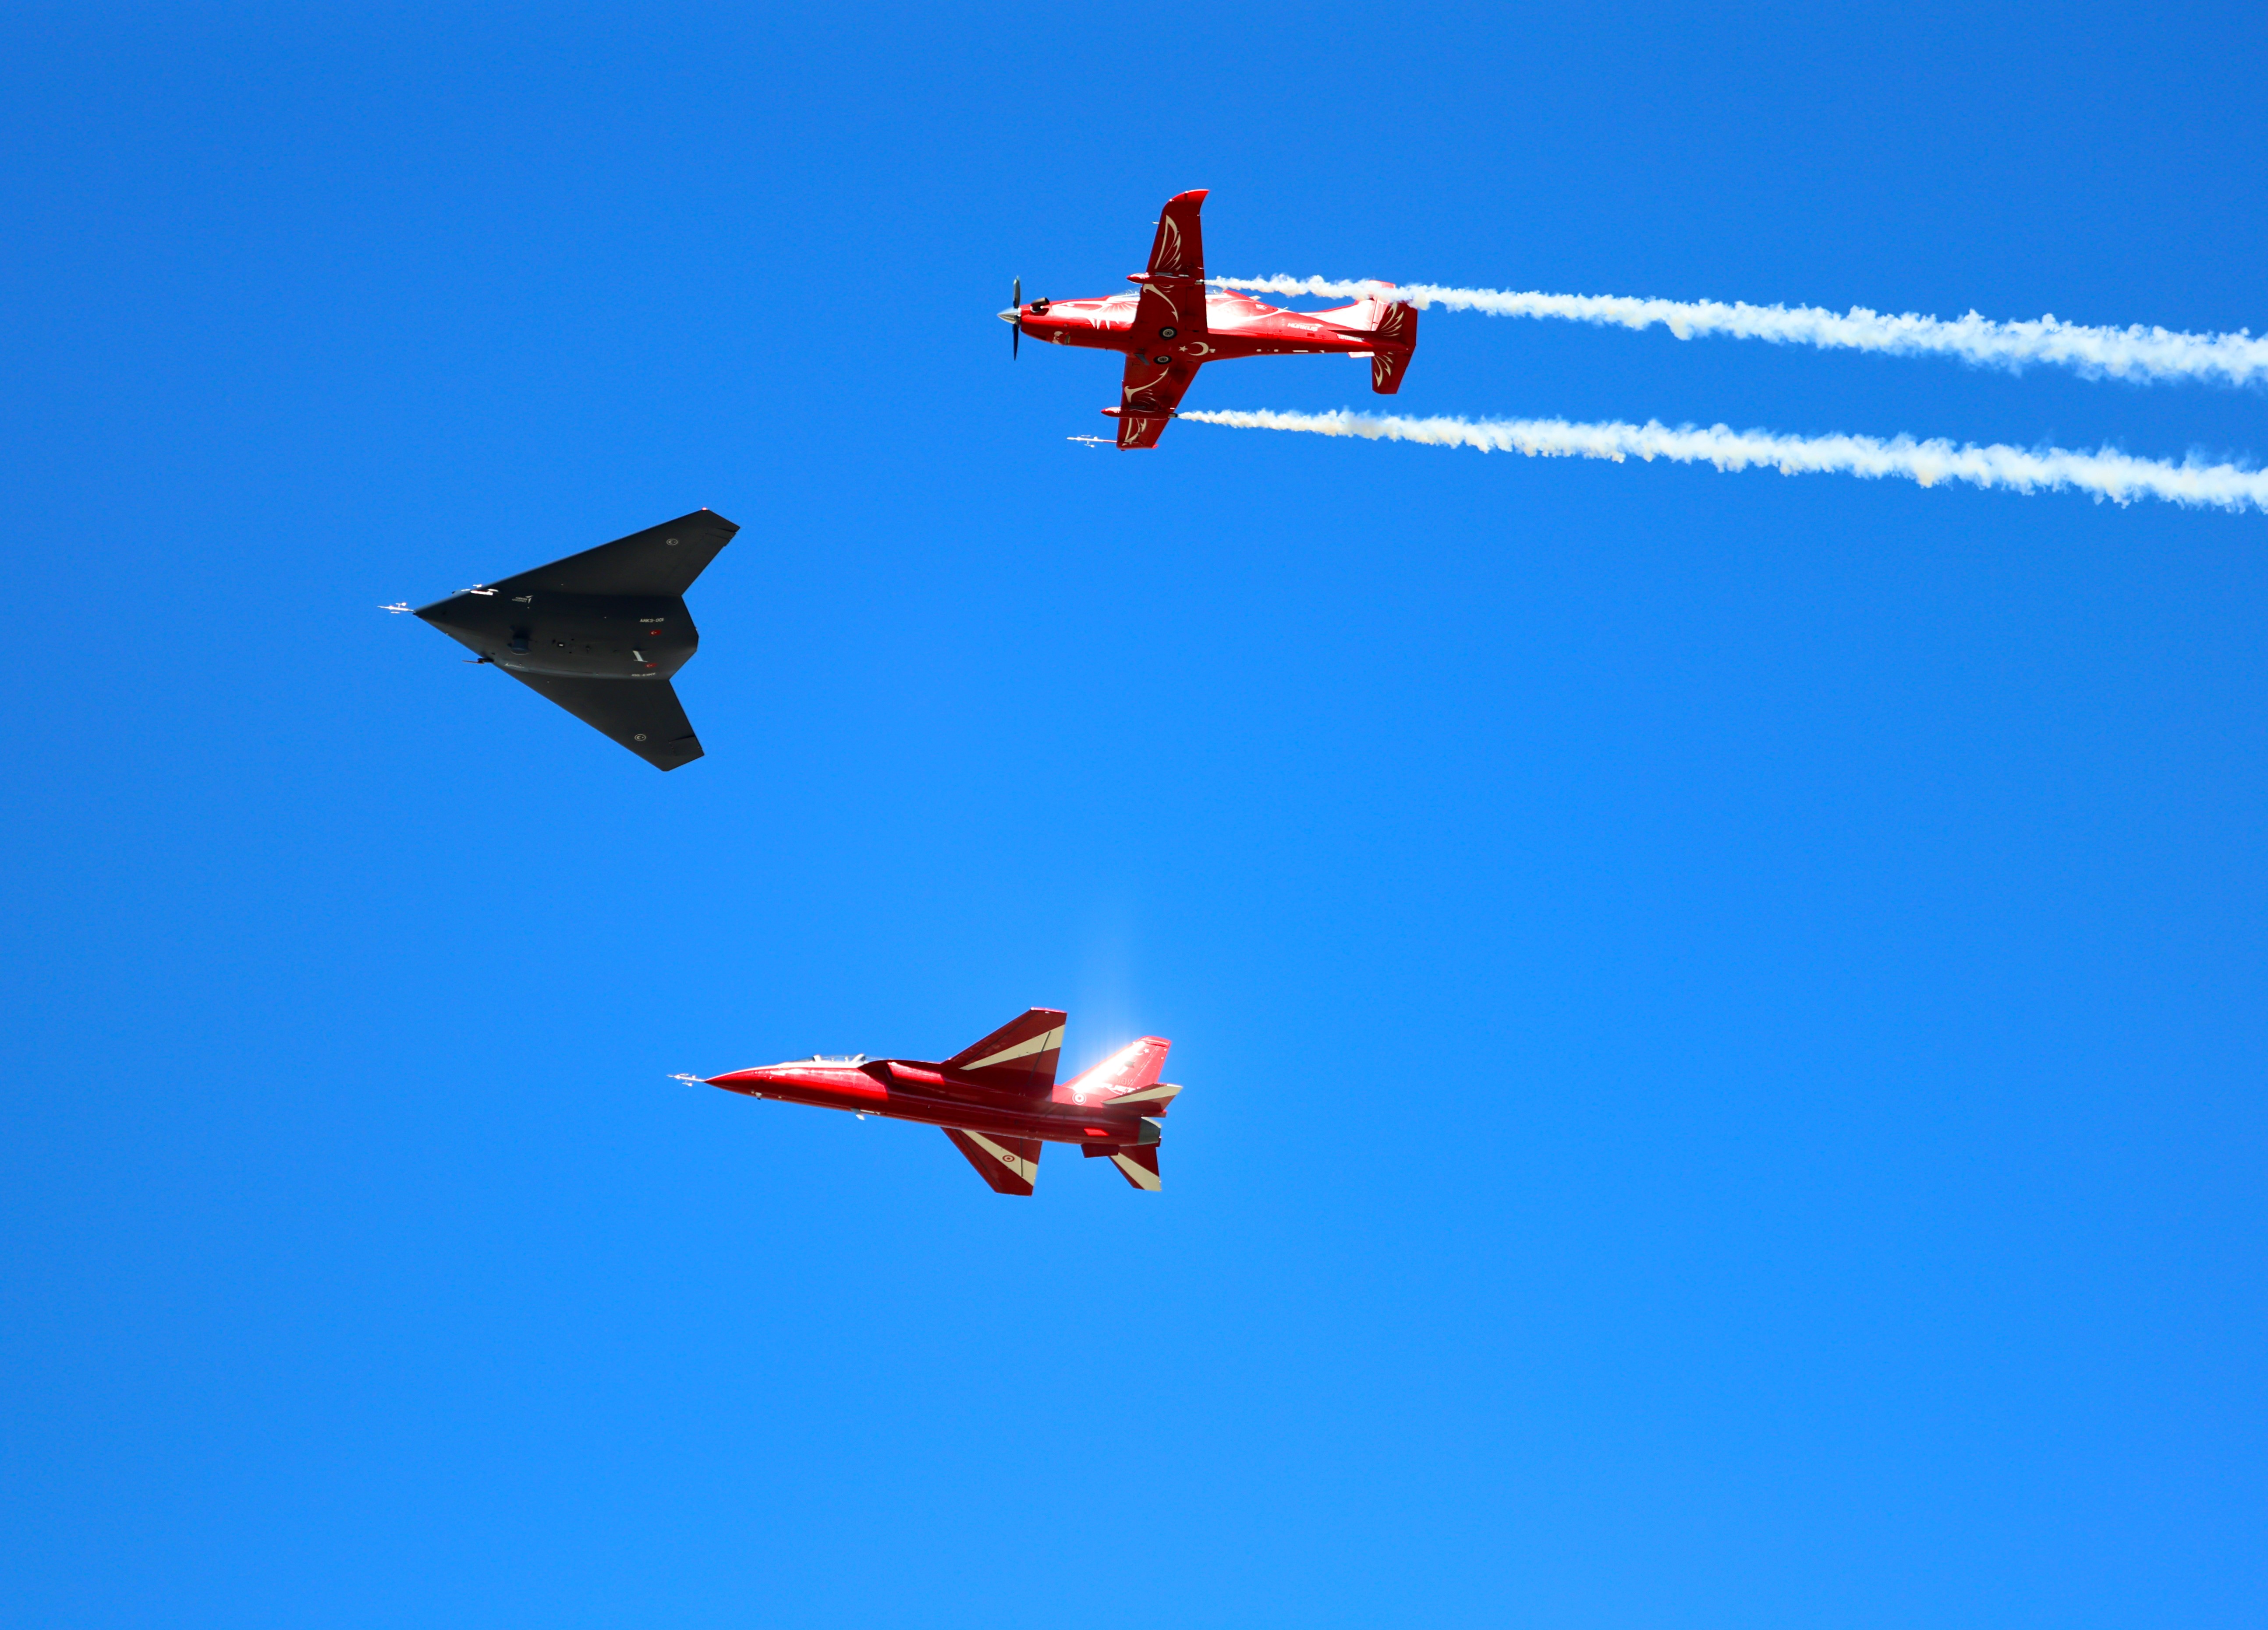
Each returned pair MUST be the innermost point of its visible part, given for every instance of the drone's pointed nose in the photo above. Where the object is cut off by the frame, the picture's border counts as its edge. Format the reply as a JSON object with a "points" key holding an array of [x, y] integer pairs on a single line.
{"points": [[1010, 316]]}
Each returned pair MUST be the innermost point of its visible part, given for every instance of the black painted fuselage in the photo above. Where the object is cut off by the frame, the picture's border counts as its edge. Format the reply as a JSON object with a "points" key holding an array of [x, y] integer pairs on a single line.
{"points": [[586, 636]]}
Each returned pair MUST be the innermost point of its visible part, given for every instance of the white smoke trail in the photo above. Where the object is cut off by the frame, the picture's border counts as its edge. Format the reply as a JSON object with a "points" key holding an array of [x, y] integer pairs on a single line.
{"points": [[2105, 474], [2134, 353]]}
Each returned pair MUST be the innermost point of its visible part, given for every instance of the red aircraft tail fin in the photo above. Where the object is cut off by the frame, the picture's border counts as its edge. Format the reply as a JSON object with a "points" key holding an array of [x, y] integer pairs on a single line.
{"points": [[1010, 1165], [1021, 1056], [1128, 1076]]}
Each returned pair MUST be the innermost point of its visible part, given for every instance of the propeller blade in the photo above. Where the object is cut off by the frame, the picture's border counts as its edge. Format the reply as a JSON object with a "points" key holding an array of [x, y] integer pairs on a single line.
{"points": [[1016, 334]]}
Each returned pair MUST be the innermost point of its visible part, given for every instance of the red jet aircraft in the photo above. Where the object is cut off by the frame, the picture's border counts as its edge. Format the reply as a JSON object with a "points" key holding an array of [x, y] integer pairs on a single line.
{"points": [[997, 1100], [1173, 327]]}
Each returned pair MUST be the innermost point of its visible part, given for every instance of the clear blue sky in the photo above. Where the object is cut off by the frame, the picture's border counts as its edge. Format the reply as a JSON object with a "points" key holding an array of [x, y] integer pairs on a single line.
{"points": [[1722, 1014]]}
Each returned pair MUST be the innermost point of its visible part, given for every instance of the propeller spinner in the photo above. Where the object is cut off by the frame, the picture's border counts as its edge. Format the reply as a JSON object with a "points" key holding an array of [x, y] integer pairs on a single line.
{"points": [[1015, 315]]}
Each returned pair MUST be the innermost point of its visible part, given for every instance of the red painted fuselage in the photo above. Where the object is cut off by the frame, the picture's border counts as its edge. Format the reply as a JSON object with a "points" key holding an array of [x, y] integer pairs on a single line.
{"points": [[1235, 325], [907, 1089]]}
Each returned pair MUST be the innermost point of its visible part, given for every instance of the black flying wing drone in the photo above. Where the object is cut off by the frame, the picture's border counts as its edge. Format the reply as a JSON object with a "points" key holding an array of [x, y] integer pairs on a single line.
{"points": [[601, 632]]}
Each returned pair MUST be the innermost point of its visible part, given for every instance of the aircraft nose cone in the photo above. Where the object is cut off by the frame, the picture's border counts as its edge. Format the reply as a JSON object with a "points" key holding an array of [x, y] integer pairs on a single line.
{"points": [[1010, 316], [459, 611]]}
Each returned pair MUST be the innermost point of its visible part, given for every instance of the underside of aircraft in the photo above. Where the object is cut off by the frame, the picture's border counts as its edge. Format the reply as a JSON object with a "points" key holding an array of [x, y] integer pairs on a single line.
{"points": [[997, 1099], [1174, 326]]}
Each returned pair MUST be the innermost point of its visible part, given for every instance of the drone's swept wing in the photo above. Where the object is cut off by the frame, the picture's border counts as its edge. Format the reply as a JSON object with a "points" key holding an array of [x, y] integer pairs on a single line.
{"points": [[659, 561], [642, 715]]}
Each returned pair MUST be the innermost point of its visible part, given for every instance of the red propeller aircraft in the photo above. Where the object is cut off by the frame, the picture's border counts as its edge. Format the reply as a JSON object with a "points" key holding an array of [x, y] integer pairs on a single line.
{"points": [[1173, 327], [998, 1099]]}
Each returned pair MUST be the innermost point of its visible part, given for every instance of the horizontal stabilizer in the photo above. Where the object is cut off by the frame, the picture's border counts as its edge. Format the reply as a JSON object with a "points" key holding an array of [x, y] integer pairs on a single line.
{"points": [[1139, 1167], [1391, 329], [660, 561], [1010, 1165], [1161, 1095], [1395, 326], [644, 715]]}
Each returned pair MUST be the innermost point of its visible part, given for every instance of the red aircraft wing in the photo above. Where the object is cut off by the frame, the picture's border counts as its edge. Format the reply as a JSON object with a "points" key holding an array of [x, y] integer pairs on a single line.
{"points": [[1170, 314], [1146, 400], [1010, 1165], [1178, 250], [1018, 1057]]}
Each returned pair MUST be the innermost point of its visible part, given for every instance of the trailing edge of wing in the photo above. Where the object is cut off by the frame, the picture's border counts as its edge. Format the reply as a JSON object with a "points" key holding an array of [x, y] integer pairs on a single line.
{"points": [[661, 560], [644, 715]]}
